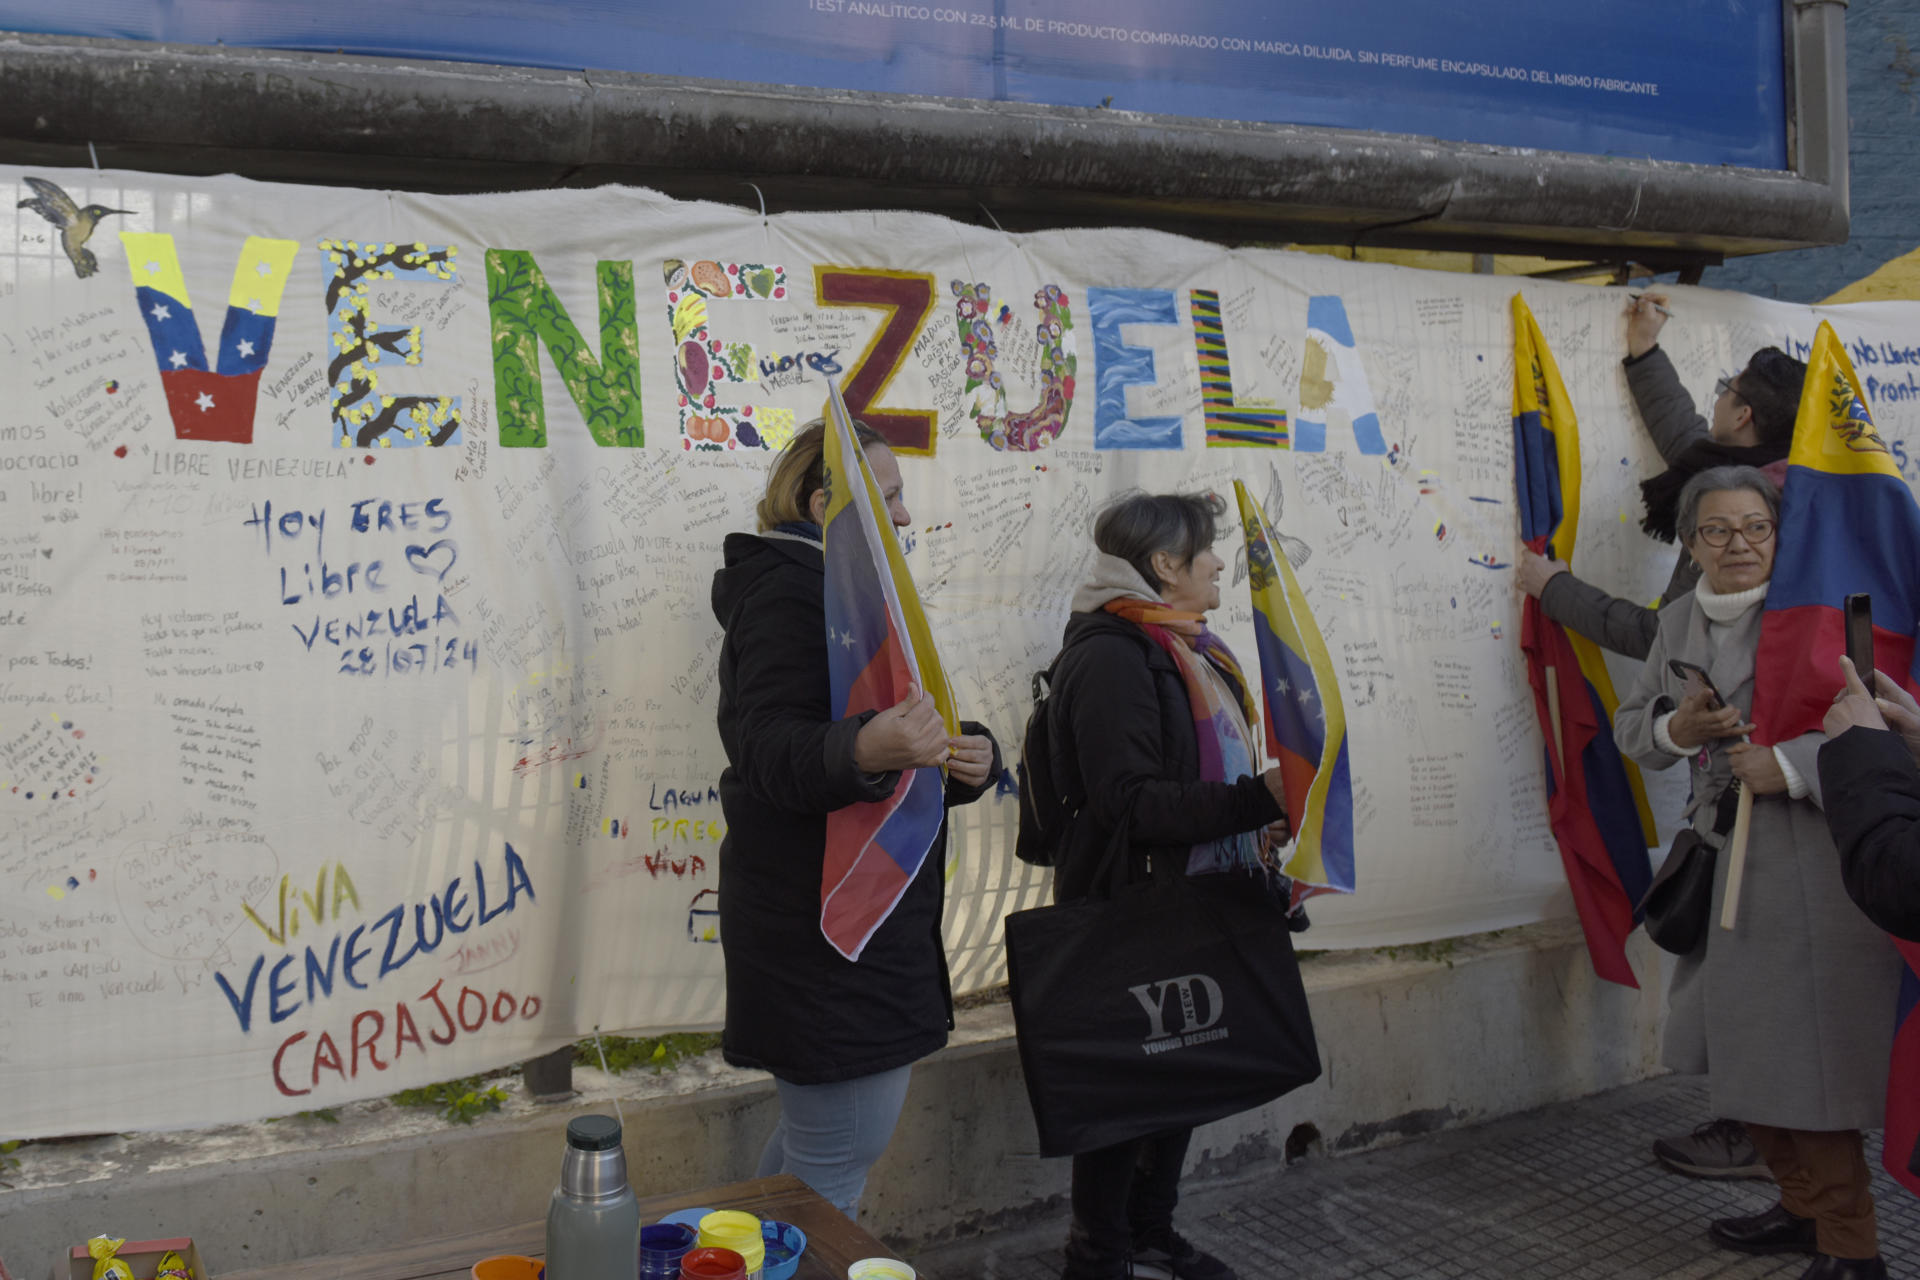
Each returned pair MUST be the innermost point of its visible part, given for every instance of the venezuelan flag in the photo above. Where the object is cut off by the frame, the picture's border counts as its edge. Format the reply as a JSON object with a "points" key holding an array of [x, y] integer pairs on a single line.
{"points": [[1595, 801], [210, 402], [1848, 523], [1306, 721], [878, 644]]}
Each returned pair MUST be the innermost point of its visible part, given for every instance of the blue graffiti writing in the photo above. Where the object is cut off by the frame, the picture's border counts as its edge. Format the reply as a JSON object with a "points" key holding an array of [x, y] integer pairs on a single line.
{"points": [[393, 516], [289, 525], [827, 363], [331, 582], [342, 958]]}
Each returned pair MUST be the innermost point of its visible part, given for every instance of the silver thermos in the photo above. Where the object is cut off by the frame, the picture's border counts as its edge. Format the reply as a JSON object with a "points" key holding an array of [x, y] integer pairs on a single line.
{"points": [[593, 1222]]}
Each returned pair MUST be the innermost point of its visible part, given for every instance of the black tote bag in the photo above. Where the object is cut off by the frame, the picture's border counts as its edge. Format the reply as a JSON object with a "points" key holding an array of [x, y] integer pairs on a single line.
{"points": [[1163, 1006]]}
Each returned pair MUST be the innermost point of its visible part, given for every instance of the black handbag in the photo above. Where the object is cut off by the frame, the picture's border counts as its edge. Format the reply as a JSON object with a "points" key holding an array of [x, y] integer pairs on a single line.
{"points": [[1678, 905], [1162, 1005]]}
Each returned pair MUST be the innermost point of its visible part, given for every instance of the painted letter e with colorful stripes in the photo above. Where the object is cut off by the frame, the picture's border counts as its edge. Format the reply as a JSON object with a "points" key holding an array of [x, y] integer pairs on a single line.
{"points": [[878, 646]]}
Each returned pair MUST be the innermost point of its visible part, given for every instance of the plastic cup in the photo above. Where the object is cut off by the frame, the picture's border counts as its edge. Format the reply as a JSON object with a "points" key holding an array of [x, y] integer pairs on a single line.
{"points": [[713, 1264], [784, 1244], [740, 1232], [509, 1266], [661, 1248], [880, 1269]]}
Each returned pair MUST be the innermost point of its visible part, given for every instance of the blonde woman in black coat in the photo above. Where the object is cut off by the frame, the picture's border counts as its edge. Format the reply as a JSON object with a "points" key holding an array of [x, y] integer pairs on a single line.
{"points": [[839, 1036]]}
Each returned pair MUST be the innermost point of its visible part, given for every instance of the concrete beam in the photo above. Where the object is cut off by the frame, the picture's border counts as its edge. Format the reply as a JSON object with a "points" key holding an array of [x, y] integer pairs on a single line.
{"points": [[448, 126]]}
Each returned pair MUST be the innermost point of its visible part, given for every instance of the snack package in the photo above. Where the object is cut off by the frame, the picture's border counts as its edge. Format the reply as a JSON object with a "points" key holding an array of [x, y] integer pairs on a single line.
{"points": [[105, 1265], [172, 1267]]}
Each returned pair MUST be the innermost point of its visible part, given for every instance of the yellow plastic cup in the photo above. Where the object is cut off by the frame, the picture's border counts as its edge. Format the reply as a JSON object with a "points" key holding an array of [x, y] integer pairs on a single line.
{"points": [[880, 1269], [740, 1232]]}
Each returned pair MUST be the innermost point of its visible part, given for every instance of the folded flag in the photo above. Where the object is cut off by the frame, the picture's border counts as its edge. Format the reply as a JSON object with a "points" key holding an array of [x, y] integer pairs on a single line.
{"points": [[1596, 803], [1848, 523], [1306, 721], [878, 647]]}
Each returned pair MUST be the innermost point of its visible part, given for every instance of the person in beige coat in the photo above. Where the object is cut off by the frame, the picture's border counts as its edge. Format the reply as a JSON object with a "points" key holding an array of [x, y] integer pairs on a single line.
{"points": [[1790, 1014]]}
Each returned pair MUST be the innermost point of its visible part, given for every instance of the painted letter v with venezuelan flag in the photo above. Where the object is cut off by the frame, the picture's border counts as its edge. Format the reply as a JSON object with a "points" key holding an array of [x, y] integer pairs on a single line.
{"points": [[1595, 801], [1306, 721], [1848, 523], [878, 646]]}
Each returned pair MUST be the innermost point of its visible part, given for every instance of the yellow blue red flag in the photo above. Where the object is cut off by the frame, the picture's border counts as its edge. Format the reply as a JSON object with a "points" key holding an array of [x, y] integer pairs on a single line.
{"points": [[1596, 803], [878, 648], [1848, 523], [1306, 721]]}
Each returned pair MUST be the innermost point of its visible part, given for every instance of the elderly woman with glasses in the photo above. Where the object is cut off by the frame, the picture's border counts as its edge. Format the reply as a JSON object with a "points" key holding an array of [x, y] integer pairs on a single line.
{"points": [[1789, 1013]]}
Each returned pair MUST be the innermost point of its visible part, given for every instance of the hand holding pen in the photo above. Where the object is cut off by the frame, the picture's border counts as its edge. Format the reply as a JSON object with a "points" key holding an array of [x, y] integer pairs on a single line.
{"points": [[1646, 314]]}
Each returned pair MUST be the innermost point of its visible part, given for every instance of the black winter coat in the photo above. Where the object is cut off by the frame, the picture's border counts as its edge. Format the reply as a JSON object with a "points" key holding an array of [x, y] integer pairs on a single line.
{"points": [[1872, 793], [1121, 727], [795, 1006], [1624, 626]]}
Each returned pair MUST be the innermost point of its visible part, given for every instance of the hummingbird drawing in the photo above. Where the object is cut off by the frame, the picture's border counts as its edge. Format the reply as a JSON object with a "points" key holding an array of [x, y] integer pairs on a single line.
{"points": [[1296, 551], [76, 223]]}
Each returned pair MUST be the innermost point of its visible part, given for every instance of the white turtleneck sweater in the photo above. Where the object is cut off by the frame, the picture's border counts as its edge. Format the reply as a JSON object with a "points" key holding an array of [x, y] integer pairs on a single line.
{"points": [[1722, 612]]}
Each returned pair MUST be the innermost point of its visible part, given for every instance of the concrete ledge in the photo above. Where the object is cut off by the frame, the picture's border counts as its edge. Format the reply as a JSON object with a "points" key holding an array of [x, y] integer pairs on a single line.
{"points": [[1414, 1039]]}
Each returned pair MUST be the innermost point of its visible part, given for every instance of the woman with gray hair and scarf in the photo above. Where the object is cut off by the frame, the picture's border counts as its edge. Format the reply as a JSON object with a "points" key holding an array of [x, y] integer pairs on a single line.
{"points": [[1790, 1013]]}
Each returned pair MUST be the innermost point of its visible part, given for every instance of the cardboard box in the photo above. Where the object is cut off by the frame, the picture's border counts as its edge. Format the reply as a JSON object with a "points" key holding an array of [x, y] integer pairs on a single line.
{"points": [[141, 1255]]}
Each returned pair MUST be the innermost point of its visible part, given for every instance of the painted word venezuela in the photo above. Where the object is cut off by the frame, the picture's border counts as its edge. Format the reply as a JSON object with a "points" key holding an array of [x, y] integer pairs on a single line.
{"points": [[721, 382], [380, 953]]}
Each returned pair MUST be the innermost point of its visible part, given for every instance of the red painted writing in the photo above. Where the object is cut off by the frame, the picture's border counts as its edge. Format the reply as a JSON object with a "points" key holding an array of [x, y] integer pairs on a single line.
{"points": [[370, 1034]]}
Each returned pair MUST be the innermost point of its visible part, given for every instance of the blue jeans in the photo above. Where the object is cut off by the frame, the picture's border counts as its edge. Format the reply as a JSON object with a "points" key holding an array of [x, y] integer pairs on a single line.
{"points": [[829, 1135]]}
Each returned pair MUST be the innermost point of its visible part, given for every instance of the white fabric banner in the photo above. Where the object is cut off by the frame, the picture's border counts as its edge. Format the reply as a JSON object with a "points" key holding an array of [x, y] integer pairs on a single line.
{"points": [[357, 718]]}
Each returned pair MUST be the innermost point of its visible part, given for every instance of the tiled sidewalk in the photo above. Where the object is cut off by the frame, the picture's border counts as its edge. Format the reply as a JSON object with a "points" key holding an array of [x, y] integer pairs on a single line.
{"points": [[1569, 1192]]}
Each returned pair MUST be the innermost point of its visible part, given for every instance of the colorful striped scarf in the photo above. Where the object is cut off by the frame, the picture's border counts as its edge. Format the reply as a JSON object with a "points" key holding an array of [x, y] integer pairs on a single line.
{"points": [[1224, 739]]}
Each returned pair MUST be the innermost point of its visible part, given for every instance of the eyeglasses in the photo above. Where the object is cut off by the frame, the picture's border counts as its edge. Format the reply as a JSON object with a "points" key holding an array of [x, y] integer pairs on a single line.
{"points": [[1756, 532], [1726, 384]]}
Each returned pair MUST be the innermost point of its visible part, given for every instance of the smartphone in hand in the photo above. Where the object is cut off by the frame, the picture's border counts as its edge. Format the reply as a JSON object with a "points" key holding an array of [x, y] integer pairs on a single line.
{"points": [[1695, 674], [1859, 612]]}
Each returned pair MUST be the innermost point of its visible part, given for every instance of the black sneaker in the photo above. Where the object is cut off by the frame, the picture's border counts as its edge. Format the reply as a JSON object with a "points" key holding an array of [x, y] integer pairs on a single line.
{"points": [[1172, 1257], [1716, 1149]]}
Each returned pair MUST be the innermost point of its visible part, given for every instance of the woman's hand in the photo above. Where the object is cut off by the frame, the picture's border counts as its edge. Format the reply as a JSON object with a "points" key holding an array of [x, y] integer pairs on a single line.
{"points": [[1757, 767], [907, 735], [1278, 831], [969, 759], [1535, 570], [1646, 316], [1693, 725]]}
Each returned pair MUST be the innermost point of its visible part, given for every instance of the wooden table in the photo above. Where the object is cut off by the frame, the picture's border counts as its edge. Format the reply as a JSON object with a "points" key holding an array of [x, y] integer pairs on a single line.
{"points": [[833, 1241]]}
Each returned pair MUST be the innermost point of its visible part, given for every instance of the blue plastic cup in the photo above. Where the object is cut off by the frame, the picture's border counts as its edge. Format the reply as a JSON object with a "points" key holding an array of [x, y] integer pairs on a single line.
{"points": [[661, 1248], [785, 1244]]}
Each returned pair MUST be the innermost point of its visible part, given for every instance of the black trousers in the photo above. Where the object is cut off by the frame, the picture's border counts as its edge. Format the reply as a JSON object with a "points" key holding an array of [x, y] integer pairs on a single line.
{"points": [[1121, 1194]]}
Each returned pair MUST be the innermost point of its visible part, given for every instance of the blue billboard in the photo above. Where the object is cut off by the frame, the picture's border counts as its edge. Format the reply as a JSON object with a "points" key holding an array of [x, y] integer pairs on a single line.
{"points": [[1697, 81]]}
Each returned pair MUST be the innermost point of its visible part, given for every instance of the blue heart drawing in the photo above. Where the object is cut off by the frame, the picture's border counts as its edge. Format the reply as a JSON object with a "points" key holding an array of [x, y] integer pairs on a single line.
{"points": [[423, 559]]}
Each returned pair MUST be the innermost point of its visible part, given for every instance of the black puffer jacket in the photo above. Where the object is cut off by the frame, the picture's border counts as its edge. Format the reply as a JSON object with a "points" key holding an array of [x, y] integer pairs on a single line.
{"points": [[1872, 793], [1121, 726], [795, 1006]]}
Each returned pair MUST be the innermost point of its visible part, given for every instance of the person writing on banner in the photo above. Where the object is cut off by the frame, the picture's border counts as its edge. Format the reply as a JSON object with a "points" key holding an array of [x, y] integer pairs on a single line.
{"points": [[1751, 425], [1788, 1013], [1872, 787], [838, 1036], [1153, 724]]}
